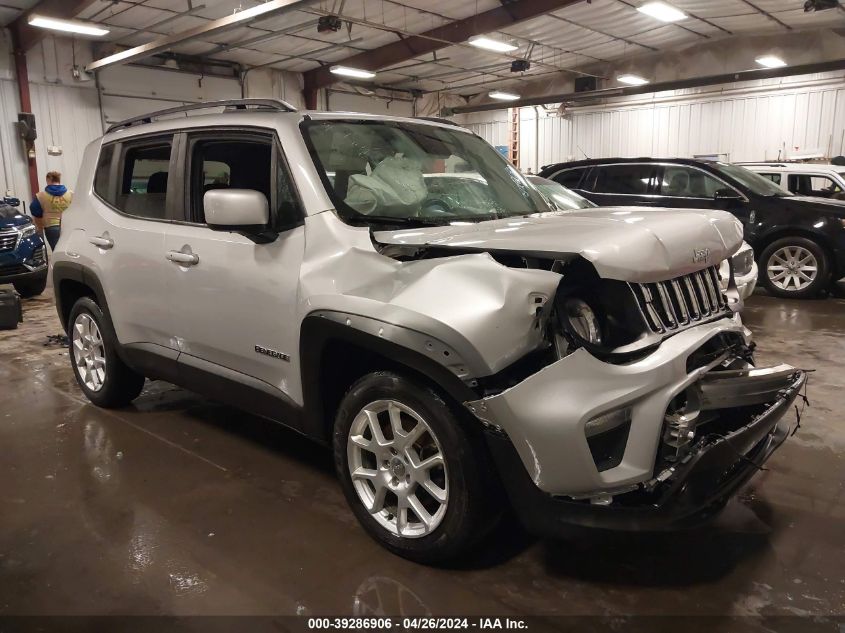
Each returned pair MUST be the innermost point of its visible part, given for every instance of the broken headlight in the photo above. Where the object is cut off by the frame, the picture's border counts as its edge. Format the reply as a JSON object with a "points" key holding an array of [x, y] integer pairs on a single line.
{"points": [[582, 320]]}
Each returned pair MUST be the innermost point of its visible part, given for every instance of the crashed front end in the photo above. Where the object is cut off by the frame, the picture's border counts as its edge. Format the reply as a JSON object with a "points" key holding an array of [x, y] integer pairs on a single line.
{"points": [[649, 419]]}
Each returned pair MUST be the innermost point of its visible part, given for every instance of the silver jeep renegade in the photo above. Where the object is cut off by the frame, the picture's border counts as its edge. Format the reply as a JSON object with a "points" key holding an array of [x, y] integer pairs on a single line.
{"points": [[394, 288]]}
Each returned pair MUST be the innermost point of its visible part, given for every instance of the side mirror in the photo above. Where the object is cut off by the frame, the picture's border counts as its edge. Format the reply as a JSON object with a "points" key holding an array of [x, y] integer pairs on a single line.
{"points": [[727, 194], [235, 208]]}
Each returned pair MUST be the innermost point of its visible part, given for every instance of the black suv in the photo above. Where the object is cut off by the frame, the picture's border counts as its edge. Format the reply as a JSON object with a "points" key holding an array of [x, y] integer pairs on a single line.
{"points": [[799, 241]]}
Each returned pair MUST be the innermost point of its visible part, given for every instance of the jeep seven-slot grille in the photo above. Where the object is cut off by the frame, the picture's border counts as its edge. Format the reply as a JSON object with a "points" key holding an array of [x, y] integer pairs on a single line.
{"points": [[671, 305], [8, 240]]}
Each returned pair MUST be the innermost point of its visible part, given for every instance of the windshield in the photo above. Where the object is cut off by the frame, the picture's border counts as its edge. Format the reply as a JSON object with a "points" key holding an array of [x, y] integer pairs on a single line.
{"points": [[754, 182], [559, 196], [403, 172]]}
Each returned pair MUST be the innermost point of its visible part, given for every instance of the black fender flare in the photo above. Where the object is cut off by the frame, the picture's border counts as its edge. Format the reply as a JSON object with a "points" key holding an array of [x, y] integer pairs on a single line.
{"points": [[317, 333]]}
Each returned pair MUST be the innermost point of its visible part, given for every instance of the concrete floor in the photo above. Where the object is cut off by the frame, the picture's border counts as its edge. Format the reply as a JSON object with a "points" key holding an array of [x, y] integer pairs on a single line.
{"points": [[182, 506]]}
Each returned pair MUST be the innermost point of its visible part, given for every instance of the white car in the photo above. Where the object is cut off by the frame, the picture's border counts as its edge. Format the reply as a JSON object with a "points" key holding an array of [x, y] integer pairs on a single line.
{"points": [[461, 346], [804, 179]]}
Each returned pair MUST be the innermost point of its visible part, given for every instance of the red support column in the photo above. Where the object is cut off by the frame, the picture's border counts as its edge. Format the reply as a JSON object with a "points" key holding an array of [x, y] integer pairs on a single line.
{"points": [[22, 78]]}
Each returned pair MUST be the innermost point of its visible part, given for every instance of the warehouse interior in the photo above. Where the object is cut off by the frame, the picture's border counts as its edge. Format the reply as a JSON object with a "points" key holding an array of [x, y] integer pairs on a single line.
{"points": [[179, 505]]}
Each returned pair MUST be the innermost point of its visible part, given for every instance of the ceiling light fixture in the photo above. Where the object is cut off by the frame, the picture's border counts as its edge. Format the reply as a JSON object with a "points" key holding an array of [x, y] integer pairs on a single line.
{"points": [[632, 80], [504, 96], [662, 11], [770, 61], [489, 44], [357, 73], [67, 26]]}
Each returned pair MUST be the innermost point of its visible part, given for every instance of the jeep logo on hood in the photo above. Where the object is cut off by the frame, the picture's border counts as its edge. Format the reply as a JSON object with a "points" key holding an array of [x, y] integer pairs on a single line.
{"points": [[700, 255]]}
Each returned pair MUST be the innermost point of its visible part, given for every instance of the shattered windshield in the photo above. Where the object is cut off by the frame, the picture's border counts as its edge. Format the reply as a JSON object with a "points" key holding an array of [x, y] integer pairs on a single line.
{"points": [[403, 172]]}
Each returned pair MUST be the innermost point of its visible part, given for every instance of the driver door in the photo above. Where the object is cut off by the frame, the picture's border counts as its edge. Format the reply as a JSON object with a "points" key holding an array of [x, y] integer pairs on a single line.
{"points": [[237, 296]]}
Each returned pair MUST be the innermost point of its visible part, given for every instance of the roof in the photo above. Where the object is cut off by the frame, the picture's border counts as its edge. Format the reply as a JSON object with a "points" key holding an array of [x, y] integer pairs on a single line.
{"points": [[794, 167], [607, 161]]}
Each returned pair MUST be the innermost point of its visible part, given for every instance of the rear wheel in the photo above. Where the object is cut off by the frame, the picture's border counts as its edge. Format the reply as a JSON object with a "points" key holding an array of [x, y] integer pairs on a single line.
{"points": [[795, 268], [105, 379], [413, 476]]}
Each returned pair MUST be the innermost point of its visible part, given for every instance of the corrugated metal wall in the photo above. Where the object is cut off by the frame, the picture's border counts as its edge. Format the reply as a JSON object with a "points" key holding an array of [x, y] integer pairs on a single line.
{"points": [[749, 122]]}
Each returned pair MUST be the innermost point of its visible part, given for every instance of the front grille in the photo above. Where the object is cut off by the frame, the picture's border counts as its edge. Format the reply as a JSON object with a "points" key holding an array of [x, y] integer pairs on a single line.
{"points": [[14, 269], [8, 240], [674, 304]]}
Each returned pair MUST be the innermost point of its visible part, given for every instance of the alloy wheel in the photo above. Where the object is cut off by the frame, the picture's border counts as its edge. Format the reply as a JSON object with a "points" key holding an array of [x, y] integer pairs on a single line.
{"points": [[398, 468], [89, 353], [792, 268]]}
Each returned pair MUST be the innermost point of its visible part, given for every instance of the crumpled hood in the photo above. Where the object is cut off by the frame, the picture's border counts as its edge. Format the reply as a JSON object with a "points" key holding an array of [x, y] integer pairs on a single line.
{"points": [[625, 243]]}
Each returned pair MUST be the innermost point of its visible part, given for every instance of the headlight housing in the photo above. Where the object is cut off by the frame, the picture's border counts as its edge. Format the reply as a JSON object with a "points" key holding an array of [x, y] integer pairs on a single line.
{"points": [[27, 231], [582, 320], [743, 262]]}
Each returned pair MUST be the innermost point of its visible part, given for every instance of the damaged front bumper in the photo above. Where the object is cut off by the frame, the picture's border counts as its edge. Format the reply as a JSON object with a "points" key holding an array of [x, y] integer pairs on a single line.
{"points": [[660, 468]]}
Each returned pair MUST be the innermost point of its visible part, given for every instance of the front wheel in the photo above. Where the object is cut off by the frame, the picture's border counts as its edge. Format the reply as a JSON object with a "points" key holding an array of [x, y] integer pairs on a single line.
{"points": [[414, 477], [105, 379], [795, 268]]}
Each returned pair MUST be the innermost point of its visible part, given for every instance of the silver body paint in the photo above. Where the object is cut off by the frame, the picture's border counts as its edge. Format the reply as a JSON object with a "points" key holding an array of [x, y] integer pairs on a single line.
{"points": [[468, 312]]}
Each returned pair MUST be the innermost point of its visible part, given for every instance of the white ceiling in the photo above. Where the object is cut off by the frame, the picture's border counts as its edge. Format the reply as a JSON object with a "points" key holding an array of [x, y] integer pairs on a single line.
{"points": [[601, 30]]}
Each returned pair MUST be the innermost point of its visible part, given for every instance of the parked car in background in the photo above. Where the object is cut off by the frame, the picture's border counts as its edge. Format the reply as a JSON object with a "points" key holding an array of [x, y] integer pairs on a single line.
{"points": [[460, 358], [799, 241], [804, 179], [558, 196], [23, 256], [744, 266]]}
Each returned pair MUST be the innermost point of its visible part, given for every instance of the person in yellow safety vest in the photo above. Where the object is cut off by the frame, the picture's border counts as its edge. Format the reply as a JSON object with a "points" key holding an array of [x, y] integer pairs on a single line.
{"points": [[48, 206]]}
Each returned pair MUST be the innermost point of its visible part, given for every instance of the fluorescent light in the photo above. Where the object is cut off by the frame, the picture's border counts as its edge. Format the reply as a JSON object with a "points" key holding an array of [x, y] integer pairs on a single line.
{"points": [[504, 96], [346, 71], [492, 45], [68, 26], [662, 11], [632, 80], [770, 61]]}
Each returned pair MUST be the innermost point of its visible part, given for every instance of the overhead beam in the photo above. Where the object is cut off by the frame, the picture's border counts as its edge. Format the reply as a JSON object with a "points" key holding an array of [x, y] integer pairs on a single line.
{"points": [[166, 42], [437, 38], [27, 36], [677, 84]]}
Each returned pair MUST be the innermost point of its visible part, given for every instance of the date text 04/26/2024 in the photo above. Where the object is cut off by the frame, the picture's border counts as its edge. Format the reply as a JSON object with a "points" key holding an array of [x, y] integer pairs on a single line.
{"points": [[417, 623]]}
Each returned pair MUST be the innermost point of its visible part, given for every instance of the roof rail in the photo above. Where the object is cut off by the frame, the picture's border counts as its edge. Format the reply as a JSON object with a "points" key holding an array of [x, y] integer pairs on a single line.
{"points": [[229, 105]]}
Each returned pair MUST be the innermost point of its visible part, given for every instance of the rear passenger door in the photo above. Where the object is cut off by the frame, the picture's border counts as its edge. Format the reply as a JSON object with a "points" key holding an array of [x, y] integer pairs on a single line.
{"points": [[623, 184], [125, 237], [240, 297]]}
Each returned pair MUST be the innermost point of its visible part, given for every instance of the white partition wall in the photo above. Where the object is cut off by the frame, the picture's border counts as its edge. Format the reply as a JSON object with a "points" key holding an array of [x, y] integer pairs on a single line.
{"points": [[761, 120]]}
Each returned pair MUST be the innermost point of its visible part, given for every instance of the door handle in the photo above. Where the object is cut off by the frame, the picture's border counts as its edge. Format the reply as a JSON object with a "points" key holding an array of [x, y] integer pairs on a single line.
{"points": [[186, 259], [101, 242]]}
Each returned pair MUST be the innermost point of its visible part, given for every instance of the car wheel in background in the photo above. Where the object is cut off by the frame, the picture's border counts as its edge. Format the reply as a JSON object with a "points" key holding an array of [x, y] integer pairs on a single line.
{"points": [[794, 268]]}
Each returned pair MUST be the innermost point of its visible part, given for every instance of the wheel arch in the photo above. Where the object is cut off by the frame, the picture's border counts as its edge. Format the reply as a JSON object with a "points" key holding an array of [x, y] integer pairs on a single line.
{"points": [[775, 234], [334, 355]]}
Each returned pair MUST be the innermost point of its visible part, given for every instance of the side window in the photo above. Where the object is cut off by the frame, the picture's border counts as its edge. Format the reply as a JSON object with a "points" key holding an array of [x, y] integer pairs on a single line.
{"points": [[102, 175], [629, 179], [570, 178], [824, 187], [245, 162], [144, 171], [775, 178], [286, 201], [685, 182], [242, 163]]}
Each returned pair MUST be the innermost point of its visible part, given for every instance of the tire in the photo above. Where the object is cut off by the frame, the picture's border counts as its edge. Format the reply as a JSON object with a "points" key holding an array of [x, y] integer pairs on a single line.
{"points": [[29, 289], [107, 381], [803, 282], [463, 482]]}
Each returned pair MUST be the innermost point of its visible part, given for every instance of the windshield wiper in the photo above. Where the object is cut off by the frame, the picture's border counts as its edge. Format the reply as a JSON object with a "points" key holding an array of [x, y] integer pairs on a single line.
{"points": [[389, 219]]}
